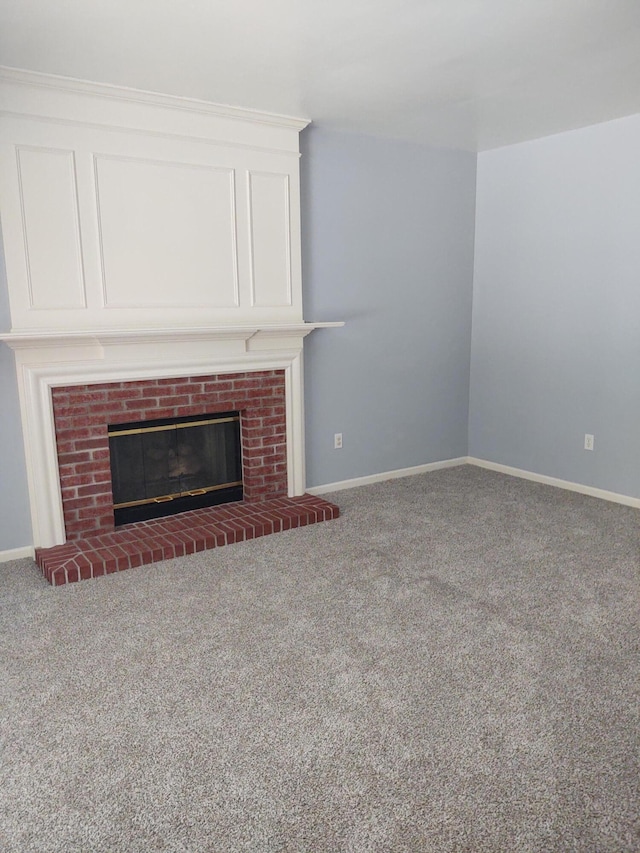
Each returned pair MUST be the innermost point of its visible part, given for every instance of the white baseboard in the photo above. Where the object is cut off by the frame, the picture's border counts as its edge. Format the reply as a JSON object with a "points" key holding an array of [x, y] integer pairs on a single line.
{"points": [[16, 554], [386, 475], [593, 492]]}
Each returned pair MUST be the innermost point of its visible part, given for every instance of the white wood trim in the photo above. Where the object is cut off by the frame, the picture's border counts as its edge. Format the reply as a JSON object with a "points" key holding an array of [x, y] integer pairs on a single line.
{"points": [[580, 488], [295, 426], [386, 475], [83, 337], [591, 491], [130, 148], [16, 554], [76, 86]]}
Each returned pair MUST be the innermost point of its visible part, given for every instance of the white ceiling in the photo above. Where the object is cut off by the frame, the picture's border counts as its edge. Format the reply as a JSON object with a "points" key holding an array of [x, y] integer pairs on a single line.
{"points": [[475, 74]]}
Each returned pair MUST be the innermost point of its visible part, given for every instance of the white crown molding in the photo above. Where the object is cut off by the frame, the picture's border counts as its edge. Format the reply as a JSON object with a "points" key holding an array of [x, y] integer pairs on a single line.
{"points": [[76, 86]]}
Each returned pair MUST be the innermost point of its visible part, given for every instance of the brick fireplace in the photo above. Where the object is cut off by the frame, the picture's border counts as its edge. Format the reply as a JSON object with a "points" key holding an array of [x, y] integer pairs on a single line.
{"points": [[73, 386], [82, 414]]}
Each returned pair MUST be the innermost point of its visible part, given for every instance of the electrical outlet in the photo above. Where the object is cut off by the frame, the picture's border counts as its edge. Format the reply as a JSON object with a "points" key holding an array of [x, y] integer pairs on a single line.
{"points": [[588, 442], [337, 441]]}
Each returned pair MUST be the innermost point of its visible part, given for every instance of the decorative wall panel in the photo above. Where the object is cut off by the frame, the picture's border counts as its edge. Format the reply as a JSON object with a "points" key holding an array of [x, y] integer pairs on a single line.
{"points": [[167, 234], [49, 208], [270, 224], [122, 209]]}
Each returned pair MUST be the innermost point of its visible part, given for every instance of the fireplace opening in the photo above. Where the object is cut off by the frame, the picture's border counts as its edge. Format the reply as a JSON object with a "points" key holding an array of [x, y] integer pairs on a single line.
{"points": [[166, 466]]}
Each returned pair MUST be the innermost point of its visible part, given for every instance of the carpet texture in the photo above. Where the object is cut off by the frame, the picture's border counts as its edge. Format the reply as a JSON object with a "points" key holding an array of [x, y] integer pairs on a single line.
{"points": [[453, 665]]}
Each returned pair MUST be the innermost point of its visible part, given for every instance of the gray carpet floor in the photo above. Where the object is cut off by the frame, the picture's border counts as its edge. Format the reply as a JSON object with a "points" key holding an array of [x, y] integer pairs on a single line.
{"points": [[453, 665]]}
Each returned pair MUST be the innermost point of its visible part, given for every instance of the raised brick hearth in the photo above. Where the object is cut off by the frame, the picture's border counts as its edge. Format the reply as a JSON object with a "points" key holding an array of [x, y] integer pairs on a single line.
{"points": [[164, 538], [82, 414]]}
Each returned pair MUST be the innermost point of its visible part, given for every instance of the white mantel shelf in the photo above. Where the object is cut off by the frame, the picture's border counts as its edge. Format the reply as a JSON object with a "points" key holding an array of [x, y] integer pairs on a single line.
{"points": [[74, 337]]}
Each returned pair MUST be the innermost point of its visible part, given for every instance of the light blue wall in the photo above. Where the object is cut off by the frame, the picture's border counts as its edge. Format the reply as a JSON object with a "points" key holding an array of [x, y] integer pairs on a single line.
{"points": [[387, 241], [556, 322], [15, 518]]}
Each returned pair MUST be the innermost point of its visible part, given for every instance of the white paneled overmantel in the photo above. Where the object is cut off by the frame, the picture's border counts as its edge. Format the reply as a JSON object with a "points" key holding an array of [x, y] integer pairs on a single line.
{"points": [[122, 208], [145, 236]]}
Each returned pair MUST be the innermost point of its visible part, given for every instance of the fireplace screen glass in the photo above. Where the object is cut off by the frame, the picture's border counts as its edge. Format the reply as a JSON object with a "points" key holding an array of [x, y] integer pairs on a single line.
{"points": [[166, 466]]}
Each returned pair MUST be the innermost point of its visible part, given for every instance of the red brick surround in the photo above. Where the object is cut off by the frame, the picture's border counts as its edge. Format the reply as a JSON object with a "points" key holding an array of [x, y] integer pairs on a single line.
{"points": [[83, 412]]}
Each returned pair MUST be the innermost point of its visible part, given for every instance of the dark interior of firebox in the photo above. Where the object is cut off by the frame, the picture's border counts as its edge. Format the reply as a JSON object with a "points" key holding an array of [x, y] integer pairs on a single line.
{"points": [[165, 466]]}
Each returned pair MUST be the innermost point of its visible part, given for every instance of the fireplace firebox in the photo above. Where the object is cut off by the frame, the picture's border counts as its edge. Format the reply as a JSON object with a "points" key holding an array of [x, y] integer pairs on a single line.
{"points": [[170, 465]]}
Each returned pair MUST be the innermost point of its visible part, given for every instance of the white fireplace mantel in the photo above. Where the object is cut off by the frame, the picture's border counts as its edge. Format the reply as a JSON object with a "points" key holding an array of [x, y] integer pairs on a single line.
{"points": [[46, 360]]}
